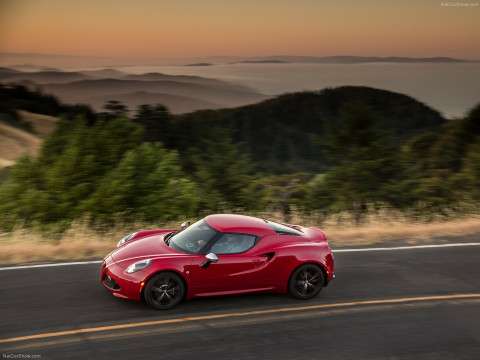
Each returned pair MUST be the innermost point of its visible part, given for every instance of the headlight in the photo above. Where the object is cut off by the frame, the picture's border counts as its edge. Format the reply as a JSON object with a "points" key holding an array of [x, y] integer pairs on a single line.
{"points": [[126, 238], [138, 266]]}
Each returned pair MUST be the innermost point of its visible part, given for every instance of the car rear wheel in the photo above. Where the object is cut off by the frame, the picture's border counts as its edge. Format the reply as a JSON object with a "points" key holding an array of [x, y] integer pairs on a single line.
{"points": [[164, 290], [306, 281]]}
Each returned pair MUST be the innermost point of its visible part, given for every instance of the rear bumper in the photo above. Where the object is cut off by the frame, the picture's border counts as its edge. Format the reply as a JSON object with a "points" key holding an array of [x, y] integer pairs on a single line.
{"points": [[329, 267], [329, 280]]}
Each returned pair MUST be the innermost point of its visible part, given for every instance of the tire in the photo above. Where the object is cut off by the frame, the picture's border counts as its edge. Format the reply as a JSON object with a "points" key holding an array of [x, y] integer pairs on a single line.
{"points": [[306, 281], [164, 290]]}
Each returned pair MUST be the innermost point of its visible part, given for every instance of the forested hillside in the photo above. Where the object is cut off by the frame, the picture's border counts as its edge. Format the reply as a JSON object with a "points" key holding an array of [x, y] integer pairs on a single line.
{"points": [[285, 134], [345, 149]]}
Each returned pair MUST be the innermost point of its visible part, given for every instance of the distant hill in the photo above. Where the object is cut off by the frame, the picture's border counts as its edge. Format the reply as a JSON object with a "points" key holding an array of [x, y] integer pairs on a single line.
{"points": [[83, 91], [347, 59], [200, 64], [176, 104], [155, 76], [263, 62], [7, 71], [104, 73], [25, 61], [283, 133], [40, 77], [181, 93]]}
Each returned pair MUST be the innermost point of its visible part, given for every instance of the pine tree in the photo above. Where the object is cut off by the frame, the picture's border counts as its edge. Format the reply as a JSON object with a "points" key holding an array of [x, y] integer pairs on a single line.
{"points": [[221, 171], [147, 182], [364, 166], [156, 121]]}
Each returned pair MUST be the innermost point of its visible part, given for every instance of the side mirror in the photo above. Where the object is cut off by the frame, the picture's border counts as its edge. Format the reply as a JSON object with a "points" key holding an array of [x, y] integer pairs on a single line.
{"points": [[185, 225], [209, 258]]}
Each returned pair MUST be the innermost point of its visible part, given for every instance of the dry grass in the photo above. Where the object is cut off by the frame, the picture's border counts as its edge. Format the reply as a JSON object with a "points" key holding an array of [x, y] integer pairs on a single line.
{"points": [[27, 245], [15, 142], [394, 227], [41, 124], [79, 241], [5, 162], [407, 233]]}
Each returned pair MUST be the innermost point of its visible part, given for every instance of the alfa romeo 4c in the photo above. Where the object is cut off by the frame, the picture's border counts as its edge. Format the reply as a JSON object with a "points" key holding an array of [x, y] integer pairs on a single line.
{"points": [[219, 255]]}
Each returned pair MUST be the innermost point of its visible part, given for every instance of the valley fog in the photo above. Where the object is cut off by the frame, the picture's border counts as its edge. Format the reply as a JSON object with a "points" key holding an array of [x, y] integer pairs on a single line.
{"points": [[452, 88]]}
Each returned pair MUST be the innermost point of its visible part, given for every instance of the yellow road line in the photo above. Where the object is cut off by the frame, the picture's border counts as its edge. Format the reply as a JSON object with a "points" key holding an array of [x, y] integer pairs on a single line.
{"points": [[224, 322], [249, 313], [72, 340]]}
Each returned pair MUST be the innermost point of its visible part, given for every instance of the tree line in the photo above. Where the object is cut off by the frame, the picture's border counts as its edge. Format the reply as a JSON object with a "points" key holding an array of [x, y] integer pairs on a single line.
{"points": [[156, 166]]}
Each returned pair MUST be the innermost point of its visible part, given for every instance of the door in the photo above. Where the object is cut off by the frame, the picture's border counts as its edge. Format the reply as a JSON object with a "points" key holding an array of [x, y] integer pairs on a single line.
{"points": [[239, 268]]}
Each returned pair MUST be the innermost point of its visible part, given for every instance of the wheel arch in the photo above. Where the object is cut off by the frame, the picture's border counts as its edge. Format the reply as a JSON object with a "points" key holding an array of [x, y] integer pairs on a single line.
{"points": [[142, 295], [320, 265]]}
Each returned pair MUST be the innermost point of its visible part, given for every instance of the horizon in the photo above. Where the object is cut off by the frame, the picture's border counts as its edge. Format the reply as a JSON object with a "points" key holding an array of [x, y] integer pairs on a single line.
{"points": [[244, 57], [66, 61]]}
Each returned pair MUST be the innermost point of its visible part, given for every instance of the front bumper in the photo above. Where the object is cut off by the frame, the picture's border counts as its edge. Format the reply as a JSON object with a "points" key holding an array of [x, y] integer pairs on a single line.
{"points": [[119, 283]]}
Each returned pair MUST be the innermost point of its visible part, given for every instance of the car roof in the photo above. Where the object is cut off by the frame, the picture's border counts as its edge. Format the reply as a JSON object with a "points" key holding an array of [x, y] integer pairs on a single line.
{"points": [[240, 224]]}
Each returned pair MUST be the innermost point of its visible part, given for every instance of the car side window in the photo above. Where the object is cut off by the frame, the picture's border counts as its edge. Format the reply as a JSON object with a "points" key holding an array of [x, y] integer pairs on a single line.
{"points": [[233, 244]]}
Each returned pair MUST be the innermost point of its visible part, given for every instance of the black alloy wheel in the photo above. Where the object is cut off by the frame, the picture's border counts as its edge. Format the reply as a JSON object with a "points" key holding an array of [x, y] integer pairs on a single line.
{"points": [[306, 281], [164, 290]]}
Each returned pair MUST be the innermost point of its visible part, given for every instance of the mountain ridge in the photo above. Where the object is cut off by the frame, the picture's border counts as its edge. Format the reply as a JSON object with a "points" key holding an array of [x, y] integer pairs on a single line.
{"points": [[18, 59], [285, 133], [87, 87]]}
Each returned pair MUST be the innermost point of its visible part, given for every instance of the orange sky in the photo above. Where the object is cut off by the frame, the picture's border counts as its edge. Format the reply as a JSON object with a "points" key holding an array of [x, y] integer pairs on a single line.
{"points": [[197, 28]]}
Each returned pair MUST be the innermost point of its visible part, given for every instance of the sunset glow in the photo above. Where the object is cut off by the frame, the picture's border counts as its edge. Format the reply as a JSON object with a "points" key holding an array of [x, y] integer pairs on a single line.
{"points": [[181, 28]]}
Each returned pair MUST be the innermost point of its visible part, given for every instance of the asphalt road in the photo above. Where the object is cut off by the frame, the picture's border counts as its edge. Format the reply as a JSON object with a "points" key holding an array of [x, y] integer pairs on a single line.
{"points": [[401, 304]]}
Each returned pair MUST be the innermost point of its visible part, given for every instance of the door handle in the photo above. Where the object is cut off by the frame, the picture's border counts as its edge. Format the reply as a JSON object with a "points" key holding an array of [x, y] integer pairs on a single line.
{"points": [[256, 261]]}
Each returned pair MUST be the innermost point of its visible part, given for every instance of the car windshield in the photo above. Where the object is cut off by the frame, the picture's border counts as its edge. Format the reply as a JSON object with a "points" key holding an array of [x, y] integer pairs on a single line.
{"points": [[193, 238]]}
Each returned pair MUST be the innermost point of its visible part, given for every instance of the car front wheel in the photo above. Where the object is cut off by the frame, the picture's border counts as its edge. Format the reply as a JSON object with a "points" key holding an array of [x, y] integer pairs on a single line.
{"points": [[306, 281], [164, 290]]}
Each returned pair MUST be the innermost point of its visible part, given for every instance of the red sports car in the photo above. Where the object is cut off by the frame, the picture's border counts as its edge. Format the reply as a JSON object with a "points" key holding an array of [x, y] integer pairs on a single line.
{"points": [[219, 255]]}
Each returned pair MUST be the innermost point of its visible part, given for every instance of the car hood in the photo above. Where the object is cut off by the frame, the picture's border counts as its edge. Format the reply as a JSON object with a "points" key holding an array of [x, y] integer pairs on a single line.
{"points": [[151, 247]]}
